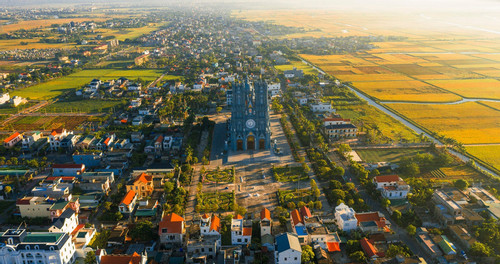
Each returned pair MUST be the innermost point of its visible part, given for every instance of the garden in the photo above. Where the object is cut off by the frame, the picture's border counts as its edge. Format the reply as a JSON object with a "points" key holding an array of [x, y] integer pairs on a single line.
{"points": [[215, 201], [290, 174], [218, 175]]}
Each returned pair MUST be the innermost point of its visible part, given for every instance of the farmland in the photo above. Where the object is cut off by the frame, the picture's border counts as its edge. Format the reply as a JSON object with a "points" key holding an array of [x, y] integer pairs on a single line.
{"points": [[488, 154], [82, 106], [54, 88], [297, 64], [469, 123], [30, 123], [454, 173], [387, 155]]}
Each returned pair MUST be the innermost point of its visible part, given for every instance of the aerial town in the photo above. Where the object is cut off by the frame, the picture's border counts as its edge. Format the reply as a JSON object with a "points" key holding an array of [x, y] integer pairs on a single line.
{"points": [[203, 135]]}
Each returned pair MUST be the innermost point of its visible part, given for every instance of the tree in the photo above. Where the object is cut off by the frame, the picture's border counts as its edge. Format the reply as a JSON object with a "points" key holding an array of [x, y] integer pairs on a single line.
{"points": [[396, 215], [479, 249], [343, 149], [90, 258], [305, 168], [385, 202], [411, 229], [169, 187], [358, 257], [395, 250], [291, 205], [461, 184], [142, 231], [218, 109], [318, 205], [307, 254]]}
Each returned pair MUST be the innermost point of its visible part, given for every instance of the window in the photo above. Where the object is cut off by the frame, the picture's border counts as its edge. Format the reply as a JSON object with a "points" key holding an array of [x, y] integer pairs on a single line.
{"points": [[164, 230], [239, 240], [210, 249], [286, 259], [37, 247], [295, 258]]}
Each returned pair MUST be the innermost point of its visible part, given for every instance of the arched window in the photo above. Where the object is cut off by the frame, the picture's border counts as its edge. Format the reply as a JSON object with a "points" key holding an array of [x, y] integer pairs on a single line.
{"points": [[36, 247], [51, 248]]}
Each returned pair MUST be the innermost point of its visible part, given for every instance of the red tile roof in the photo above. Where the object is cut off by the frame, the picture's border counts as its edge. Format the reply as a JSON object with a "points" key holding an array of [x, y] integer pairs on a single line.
{"points": [[121, 259], [56, 131], [296, 218], [387, 178], [247, 231], [205, 216], [305, 211], [333, 246], [336, 119], [67, 166], [368, 247], [15, 135], [106, 141], [144, 178], [77, 228], [265, 214], [25, 200], [159, 139], [238, 216], [368, 217], [128, 197], [173, 223], [215, 225]]}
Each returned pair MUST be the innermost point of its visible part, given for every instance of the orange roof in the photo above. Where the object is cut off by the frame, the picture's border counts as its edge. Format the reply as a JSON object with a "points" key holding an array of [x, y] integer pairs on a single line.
{"points": [[205, 216], [387, 178], [56, 131], [144, 178], [122, 259], [238, 216], [128, 197], [173, 223], [106, 142], [333, 246], [265, 214], [368, 247], [77, 228], [296, 218], [336, 119], [215, 225], [15, 135], [159, 139], [247, 231], [305, 211], [369, 217]]}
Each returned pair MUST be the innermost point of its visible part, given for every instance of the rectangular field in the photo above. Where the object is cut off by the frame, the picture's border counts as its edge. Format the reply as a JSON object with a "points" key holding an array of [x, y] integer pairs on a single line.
{"points": [[388, 155], [54, 88], [29, 123], [471, 88], [469, 123], [82, 106], [488, 154]]}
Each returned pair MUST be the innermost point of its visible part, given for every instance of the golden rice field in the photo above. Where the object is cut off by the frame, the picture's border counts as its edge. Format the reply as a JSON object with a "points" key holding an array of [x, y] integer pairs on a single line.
{"points": [[8, 44], [415, 91], [494, 105], [471, 88], [469, 123], [488, 154], [42, 23]]}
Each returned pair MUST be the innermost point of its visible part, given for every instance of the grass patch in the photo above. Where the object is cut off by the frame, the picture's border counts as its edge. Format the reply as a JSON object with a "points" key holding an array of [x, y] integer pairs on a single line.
{"points": [[295, 196], [4, 205], [387, 155], [215, 201], [297, 64], [9, 109], [82, 106], [289, 174], [225, 176]]}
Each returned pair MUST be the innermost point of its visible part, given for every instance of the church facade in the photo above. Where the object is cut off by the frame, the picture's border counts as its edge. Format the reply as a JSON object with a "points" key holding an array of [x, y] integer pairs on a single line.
{"points": [[250, 116]]}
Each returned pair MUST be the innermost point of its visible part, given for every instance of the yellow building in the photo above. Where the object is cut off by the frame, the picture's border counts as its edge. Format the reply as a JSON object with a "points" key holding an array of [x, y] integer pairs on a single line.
{"points": [[142, 185]]}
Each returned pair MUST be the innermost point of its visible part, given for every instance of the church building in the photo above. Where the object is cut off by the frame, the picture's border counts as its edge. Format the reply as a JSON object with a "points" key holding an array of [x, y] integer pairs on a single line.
{"points": [[250, 116]]}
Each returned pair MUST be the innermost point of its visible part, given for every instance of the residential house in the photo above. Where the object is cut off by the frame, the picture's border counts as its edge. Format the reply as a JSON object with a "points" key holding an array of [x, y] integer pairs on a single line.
{"points": [[171, 229], [30, 138], [128, 202], [89, 184], [241, 233], [58, 208], [426, 242], [294, 73], [51, 190], [345, 217], [4, 98], [372, 222], [462, 235], [322, 107], [392, 186], [167, 142], [104, 175], [69, 141], [135, 258], [287, 249], [448, 205], [90, 160], [136, 137], [56, 136], [12, 140], [158, 144], [66, 222], [210, 225], [34, 206], [370, 249], [85, 142], [265, 222], [142, 185], [274, 89], [339, 128], [21, 246], [296, 218], [67, 169]]}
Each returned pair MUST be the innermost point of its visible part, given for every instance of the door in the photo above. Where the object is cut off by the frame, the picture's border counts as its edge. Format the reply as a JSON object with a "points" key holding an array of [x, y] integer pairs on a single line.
{"points": [[250, 142], [262, 143], [239, 144]]}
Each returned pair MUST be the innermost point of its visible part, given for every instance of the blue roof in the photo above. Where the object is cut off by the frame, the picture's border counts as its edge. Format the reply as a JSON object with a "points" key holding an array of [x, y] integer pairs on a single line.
{"points": [[287, 241], [301, 230]]}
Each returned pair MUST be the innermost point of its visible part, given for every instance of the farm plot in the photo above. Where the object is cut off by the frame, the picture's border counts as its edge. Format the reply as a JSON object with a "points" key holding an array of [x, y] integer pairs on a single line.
{"points": [[213, 202], [296, 64], [471, 88], [494, 105], [488, 154], [414, 91], [81, 106], [54, 88], [469, 123], [224, 176], [454, 173], [388, 155], [289, 174], [29, 123]]}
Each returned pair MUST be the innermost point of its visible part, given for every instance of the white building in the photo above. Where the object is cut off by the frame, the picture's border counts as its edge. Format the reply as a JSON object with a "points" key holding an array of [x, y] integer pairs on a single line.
{"points": [[30, 139], [66, 222], [265, 222], [240, 235], [68, 169], [392, 186], [19, 247], [287, 249], [322, 107], [4, 98], [171, 229], [210, 225], [274, 89], [128, 203], [344, 215], [56, 137]]}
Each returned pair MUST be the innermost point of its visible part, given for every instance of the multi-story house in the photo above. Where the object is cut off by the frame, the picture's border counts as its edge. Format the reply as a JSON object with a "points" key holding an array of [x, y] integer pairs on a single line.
{"points": [[56, 136], [142, 185], [171, 229], [66, 222], [128, 203], [265, 222], [68, 169], [85, 142], [339, 128], [372, 222], [287, 249], [12, 140], [322, 107], [392, 186], [241, 234], [20, 246], [69, 141], [344, 215], [210, 225], [30, 139]]}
